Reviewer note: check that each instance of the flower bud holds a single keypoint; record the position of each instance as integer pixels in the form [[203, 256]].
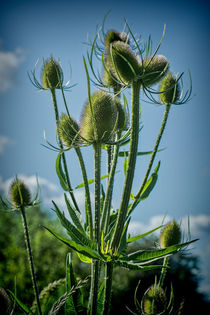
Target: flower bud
[[154, 301], [170, 90], [68, 130], [154, 69], [170, 235], [114, 36], [52, 74], [124, 62], [100, 127], [5, 303], [110, 79], [19, 193]]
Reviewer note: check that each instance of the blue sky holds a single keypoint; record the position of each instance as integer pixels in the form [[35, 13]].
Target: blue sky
[[31, 30]]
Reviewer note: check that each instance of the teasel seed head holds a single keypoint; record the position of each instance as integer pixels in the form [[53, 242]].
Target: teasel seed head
[[110, 79], [124, 63], [68, 130], [114, 36], [169, 90], [52, 74], [99, 127], [19, 194], [154, 69], [170, 235], [154, 301]]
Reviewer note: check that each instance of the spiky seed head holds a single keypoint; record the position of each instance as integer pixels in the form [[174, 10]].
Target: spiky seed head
[[170, 235], [154, 69], [110, 78], [113, 36], [68, 130], [104, 118], [169, 90], [154, 301], [19, 194], [121, 116], [5, 303], [124, 62], [52, 74]]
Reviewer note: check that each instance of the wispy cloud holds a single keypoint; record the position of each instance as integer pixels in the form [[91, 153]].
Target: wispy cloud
[[4, 142], [9, 63]]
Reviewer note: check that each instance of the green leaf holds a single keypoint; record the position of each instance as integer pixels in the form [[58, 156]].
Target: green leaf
[[126, 153], [84, 258], [100, 299], [24, 308], [75, 234], [85, 250], [125, 165], [136, 266], [60, 173], [70, 282], [75, 216], [137, 237], [91, 181], [146, 256], [150, 184]]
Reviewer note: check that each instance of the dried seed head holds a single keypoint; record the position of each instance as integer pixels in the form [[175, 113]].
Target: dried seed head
[[154, 301], [52, 74], [68, 130], [124, 62], [5, 303], [170, 90], [19, 194], [113, 36], [170, 235], [104, 118], [154, 69]]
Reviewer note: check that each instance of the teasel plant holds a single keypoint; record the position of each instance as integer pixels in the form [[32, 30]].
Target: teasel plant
[[108, 124]]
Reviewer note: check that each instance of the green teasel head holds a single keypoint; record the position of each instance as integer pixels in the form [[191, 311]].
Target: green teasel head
[[19, 194], [154, 69], [52, 74], [110, 79], [170, 235], [124, 62], [68, 130], [169, 90], [98, 118], [115, 36], [154, 301]]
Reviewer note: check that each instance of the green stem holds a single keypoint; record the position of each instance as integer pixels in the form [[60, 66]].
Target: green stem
[[108, 287], [30, 256], [95, 264], [108, 196], [131, 166], [63, 155], [87, 192], [163, 271], [162, 128]]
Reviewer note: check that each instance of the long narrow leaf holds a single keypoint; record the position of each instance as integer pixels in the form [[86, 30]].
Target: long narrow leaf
[[24, 308], [150, 184], [91, 181], [75, 234], [84, 250], [135, 266], [137, 237], [75, 215], [60, 173], [123, 153], [145, 256]]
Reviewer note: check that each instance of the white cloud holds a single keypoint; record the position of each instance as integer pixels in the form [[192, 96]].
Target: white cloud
[[4, 142], [9, 62]]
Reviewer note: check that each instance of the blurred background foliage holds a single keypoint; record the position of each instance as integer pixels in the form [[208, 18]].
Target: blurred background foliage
[[49, 257]]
